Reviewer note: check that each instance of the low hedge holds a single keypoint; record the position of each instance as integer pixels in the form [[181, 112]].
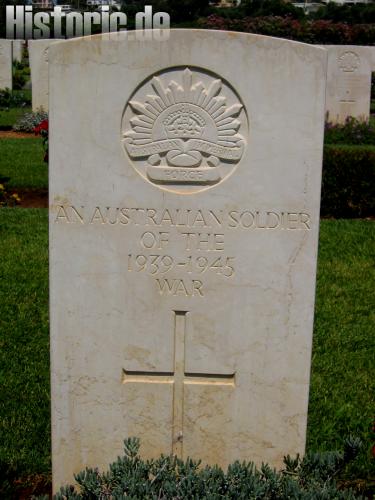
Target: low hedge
[[353, 131], [311, 478], [348, 183]]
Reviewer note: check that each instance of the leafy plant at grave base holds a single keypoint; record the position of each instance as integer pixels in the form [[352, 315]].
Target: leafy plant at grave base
[[168, 477], [351, 132], [42, 130], [7, 199], [9, 99], [29, 121]]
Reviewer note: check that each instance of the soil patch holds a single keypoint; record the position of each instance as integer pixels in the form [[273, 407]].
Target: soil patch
[[29, 487], [11, 134], [33, 198]]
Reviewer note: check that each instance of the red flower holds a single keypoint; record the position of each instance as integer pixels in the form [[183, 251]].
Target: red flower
[[43, 125], [41, 128]]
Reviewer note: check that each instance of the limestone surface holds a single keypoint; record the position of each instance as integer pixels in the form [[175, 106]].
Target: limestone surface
[[349, 82], [5, 64], [17, 50], [38, 59], [184, 214]]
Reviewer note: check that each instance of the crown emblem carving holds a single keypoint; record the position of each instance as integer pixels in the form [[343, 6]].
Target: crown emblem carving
[[184, 122], [349, 62]]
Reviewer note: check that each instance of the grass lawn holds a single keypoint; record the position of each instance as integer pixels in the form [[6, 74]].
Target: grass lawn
[[24, 353], [343, 366], [22, 161], [343, 374], [8, 117]]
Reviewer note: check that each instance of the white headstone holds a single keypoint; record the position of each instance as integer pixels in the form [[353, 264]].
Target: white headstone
[[38, 60], [184, 217], [18, 46], [349, 82], [5, 64]]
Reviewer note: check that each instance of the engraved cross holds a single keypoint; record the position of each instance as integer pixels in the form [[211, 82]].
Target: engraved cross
[[178, 378]]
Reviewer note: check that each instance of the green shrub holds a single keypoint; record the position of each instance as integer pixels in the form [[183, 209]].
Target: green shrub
[[29, 121], [9, 99], [348, 183], [171, 478], [351, 132], [21, 74], [19, 80]]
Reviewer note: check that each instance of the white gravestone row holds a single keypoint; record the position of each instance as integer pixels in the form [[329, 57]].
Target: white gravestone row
[[38, 60], [349, 82], [184, 218], [5, 64], [348, 79]]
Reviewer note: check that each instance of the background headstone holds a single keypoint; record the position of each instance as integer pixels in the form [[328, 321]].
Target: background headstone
[[184, 217], [17, 50], [38, 60], [5, 64], [349, 82]]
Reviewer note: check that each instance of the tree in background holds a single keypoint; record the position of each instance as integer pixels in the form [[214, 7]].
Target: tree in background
[[179, 10], [262, 8], [351, 14], [258, 8]]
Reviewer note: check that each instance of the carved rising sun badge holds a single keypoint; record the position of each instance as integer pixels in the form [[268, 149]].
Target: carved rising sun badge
[[184, 130]]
